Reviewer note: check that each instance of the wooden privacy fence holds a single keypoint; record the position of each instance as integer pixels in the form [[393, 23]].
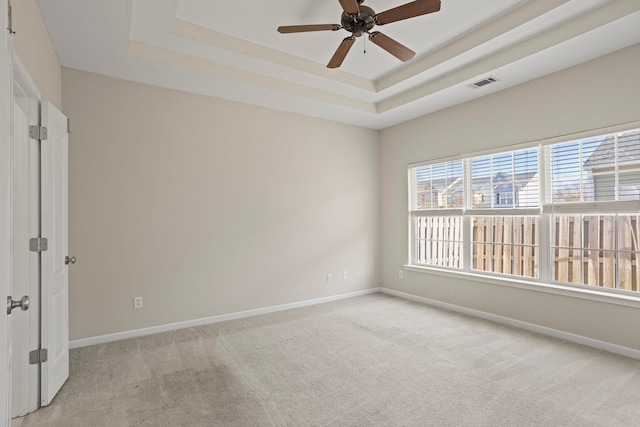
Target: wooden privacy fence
[[584, 250], [513, 251], [439, 241], [505, 245]]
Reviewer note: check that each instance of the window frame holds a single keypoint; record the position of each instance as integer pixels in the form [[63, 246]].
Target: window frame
[[544, 213]]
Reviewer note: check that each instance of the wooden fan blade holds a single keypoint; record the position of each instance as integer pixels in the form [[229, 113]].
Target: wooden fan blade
[[350, 7], [409, 10], [304, 28], [396, 49], [341, 53]]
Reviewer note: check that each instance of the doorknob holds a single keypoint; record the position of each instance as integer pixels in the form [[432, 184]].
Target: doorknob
[[23, 304], [69, 260]]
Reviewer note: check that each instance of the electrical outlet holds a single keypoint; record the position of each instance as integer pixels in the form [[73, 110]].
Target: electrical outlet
[[345, 275], [400, 274], [329, 278], [137, 302]]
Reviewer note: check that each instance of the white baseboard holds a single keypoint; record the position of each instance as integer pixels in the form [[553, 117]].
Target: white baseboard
[[101, 339], [543, 330], [578, 339]]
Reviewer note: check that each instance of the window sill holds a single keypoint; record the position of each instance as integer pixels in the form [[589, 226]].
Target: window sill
[[557, 289]]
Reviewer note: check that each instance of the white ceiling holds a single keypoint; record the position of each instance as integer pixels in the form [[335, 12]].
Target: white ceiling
[[231, 50]]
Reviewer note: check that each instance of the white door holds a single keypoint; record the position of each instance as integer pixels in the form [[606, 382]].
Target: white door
[[55, 273], [25, 327], [5, 223]]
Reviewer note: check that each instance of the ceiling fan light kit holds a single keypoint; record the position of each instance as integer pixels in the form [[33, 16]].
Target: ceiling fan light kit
[[359, 20]]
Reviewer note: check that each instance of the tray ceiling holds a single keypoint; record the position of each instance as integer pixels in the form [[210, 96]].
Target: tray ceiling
[[232, 50]]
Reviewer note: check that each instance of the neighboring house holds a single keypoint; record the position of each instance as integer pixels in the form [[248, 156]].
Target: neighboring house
[[529, 193], [440, 193], [504, 191], [501, 190], [603, 169]]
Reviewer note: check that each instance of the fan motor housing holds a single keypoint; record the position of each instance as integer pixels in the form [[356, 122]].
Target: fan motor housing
[[360, 24]]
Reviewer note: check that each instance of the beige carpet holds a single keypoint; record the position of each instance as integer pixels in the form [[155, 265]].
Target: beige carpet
[[368, 361]]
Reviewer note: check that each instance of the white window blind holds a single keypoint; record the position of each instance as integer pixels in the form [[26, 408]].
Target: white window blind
[[505, 180], [600, 169], [438, 186]]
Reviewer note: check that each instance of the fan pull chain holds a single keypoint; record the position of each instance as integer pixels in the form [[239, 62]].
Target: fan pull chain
[[364, 39]]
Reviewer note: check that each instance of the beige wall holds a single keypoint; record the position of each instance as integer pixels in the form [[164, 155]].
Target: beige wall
[[600, 93], [204, 206], [32, 44]]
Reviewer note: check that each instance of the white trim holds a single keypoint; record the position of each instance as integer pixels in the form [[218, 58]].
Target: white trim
[[449, 159], [545, 140], [578, 339], [479, 153], [600, 207], [545, 254], [575, 291], [23, 79], [438, 212], [502, 211], [593, 133], [102, 339]]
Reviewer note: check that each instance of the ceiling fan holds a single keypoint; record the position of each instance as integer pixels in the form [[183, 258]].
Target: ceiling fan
[[359, 19]]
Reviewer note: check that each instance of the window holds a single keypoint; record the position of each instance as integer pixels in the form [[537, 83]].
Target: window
[[488, 214], [605, 168], [438, 186], [505, 180], [506, 245], [439, 241], [594, 193], [597, 250], [497, 185]]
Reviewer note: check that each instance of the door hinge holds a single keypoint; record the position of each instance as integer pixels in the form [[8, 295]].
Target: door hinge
[[10, 19], [38, 244], [38, 356], [68, 125], [38, 132]]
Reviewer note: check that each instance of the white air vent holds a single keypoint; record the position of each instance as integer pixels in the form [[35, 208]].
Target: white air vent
[[483, 82]]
